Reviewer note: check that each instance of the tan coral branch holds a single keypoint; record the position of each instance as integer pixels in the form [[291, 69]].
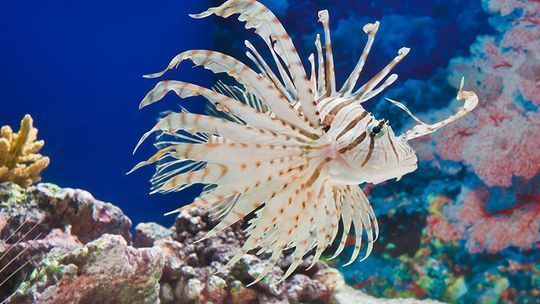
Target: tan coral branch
[[20, 161]]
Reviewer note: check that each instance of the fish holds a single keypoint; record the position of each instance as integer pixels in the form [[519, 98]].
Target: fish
[[288, 149]]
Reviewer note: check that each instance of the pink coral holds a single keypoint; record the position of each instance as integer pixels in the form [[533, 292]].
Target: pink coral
[[497, 153], [498, 140], [491, 232], [438, 225], [505, 7]]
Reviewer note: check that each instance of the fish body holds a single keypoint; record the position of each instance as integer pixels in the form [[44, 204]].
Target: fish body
[[288, 148]]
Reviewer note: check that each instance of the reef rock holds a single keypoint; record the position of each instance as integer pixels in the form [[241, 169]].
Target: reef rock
[[106, 270], [55, 249], [68, 247]]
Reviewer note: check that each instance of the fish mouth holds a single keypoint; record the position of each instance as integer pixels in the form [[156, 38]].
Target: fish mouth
[[470, 101]]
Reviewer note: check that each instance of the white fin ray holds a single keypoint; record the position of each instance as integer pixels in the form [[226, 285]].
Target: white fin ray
[[313, 74], [234, 176], [266, 69], [208, 200], [324, 18], [360, 221], [239, 94], [364, 203], [268, 215], [346, 219], [246, 113], [371, 30], [303, 234], [237, 133], [248, 202], [253, 82], [327, 223], [366, 222], [220, 153], [373, 82], [388, 82], [266, 25], [321, 79]]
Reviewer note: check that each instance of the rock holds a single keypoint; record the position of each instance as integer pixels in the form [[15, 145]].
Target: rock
[[45, 218], [303, 289], [88, 217], [240, 294], [166, 294], [76, 249], [216, 289], [148, 233], [193, 289], [106, 270], [52, 207]]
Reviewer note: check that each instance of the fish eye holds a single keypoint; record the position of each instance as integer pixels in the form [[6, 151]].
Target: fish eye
[[378, 130]]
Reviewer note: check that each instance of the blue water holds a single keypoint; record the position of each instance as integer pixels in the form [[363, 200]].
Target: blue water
[[76, 67]]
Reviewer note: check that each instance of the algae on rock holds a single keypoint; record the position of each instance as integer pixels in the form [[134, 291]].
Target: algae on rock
[[20, 161]]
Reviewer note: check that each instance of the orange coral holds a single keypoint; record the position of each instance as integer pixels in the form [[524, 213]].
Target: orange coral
[[20, 161]]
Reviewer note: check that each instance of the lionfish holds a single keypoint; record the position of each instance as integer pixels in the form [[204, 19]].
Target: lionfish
[[288, 149]]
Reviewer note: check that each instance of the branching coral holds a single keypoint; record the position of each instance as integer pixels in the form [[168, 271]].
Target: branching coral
[[498, 141], [20, 161], [518, 226], [483, 231]]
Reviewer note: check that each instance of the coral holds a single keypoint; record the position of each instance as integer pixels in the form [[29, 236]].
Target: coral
[[438, 226], [466, 254], [20, 161], [492, 232], [498, 140]]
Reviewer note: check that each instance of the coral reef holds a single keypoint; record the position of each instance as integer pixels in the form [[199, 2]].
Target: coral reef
[[80, 251], [442, 268], [20, 161]]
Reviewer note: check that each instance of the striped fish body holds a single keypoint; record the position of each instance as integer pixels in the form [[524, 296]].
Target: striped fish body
[[287, 148]]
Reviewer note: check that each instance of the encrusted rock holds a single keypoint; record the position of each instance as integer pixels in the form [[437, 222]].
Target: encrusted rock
[[197, 269], [52, 207], [106, 270], [46, 218], [166, 294], [88, 217], [148, 233]]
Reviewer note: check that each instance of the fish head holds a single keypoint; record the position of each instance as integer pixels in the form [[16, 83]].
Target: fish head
[[376, 155], [391, 156]]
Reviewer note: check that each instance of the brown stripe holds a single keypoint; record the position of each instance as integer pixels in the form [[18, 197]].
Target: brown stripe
[[327, 102], [352, 124], [315, 175], [370, 151], [332, 114], [355, 143]]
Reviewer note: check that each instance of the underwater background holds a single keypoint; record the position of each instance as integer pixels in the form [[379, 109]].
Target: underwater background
[[464, 227]]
